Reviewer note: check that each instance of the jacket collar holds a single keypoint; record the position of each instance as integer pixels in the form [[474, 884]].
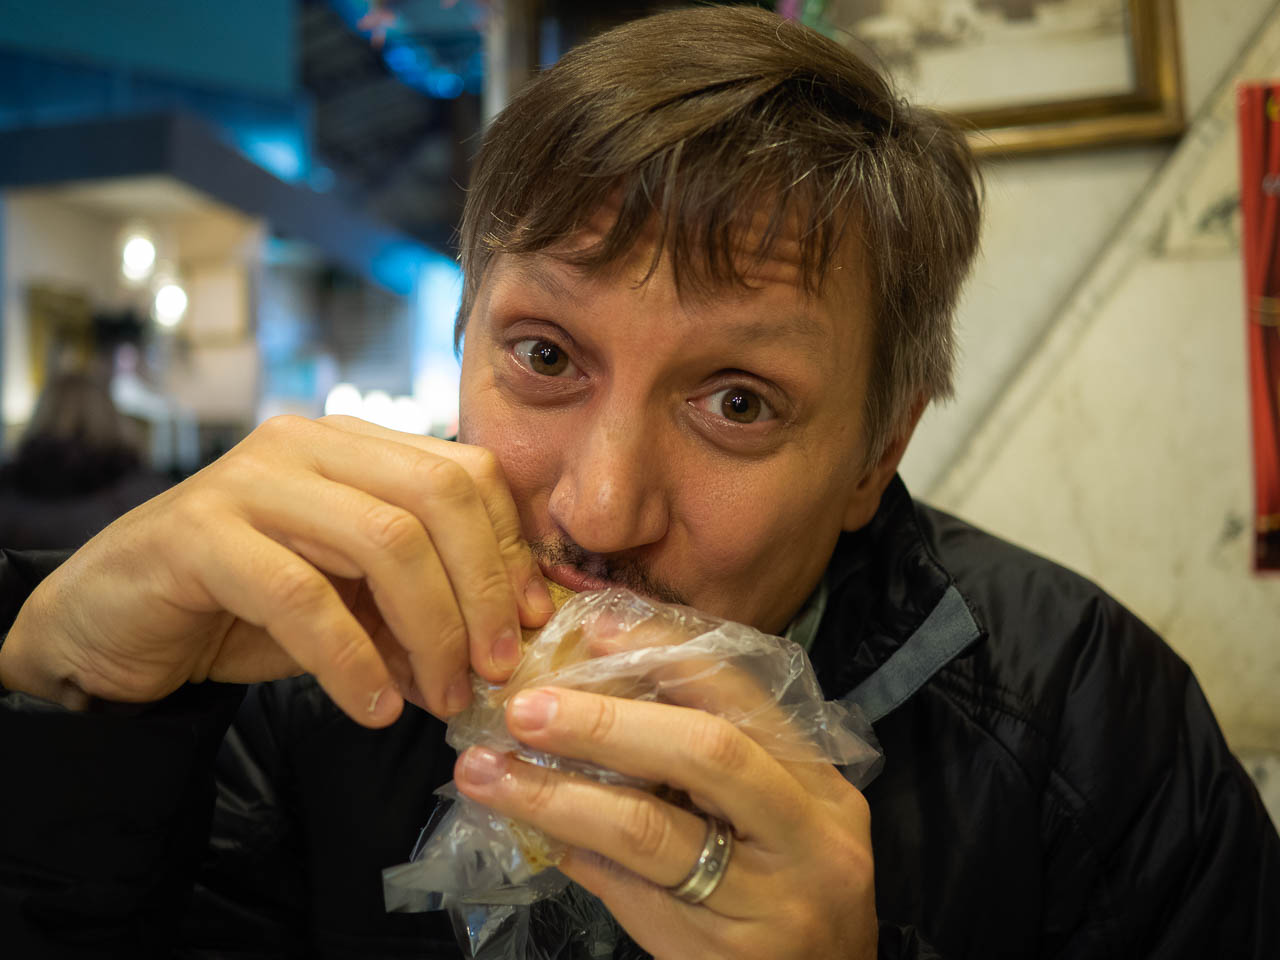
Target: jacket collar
[[883, 583]]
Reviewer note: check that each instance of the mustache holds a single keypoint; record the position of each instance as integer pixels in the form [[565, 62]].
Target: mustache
[[618, 569]]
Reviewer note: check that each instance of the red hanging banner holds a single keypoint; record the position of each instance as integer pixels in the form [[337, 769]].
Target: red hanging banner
[[1259, 119]]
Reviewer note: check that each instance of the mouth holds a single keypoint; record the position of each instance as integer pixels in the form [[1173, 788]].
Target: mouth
[[574, 579]]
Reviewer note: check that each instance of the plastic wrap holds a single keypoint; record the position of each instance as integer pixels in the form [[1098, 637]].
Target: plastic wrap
[[497, 876]]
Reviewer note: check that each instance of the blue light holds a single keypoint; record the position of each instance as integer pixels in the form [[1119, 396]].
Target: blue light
[[439, 297], [398, 265], [278, 151], [400, 58], [444, 84]]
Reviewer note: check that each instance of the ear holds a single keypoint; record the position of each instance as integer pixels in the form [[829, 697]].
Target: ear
[[864, 499]]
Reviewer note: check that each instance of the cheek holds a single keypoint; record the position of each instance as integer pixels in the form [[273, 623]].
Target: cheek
[[747, 527], [527, 455], [760, 539]]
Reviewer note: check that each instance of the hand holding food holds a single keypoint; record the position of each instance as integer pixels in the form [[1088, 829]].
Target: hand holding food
[[386, 564], [591, 757]]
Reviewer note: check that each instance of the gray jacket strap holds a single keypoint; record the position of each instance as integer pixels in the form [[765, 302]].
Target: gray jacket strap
[[945, 633]]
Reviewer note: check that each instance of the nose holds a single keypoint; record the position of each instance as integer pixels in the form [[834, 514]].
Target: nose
[[610, 495]]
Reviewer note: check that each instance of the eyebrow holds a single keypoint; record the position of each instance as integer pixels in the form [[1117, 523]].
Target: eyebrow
[[788, 326], [533, 270], [800, 328]]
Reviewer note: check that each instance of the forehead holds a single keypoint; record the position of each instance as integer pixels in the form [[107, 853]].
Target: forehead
[[763, 269], [773, 309]]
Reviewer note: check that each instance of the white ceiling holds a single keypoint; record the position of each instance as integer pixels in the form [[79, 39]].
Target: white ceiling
[[156, 195]]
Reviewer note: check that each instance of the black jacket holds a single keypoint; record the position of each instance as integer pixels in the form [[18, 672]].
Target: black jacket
[[1059, 789]]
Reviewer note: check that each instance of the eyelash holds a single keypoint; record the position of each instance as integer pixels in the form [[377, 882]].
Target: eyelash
[[522, 351]]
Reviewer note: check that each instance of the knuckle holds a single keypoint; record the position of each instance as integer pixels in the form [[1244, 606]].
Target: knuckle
[[748, 940], [339, 420], [643, 828], [601, 720], [515, 551], [347, 655], [194, 508], [808, 917], [719, 744], [540, 792], [491, 586], [393, 530], [443, 478], [452, 636], [200, 512], [281, 426], [858, 861], [293, 587], [859, 807], [485, 466], [853, 856]]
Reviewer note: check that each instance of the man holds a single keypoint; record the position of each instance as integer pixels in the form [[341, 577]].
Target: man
[[710, 264]]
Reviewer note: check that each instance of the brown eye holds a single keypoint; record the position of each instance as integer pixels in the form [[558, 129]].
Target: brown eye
[[547, 359], [741, 406]]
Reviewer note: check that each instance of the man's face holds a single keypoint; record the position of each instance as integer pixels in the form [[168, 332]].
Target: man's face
[[704, 451]]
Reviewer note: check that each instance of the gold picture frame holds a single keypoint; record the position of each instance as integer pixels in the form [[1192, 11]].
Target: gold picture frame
[[1150, 110]]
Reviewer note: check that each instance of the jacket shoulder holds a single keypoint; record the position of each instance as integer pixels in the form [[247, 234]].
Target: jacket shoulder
[[1090, 701], [1159, 840], [1048, 631]]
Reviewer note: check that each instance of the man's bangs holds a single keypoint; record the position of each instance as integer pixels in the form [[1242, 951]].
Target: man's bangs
[[717, 227]]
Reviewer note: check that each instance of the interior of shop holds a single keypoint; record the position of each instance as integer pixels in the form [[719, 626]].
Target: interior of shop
[[213, 214]]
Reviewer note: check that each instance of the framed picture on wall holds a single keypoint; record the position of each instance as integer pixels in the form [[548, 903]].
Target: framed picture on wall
[[1024, 75]]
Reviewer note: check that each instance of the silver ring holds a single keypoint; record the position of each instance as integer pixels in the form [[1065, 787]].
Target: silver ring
[[710, 866]]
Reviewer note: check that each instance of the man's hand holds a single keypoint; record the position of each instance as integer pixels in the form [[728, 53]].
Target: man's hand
[[799, 882], [384, 563]]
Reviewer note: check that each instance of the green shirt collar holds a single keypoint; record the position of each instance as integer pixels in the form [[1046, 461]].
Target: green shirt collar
[[804, 626]]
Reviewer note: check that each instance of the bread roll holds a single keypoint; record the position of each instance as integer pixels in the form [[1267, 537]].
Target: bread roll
[[559, 596]]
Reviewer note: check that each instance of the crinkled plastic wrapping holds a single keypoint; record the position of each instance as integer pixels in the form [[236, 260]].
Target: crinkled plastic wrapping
[[497, 877]]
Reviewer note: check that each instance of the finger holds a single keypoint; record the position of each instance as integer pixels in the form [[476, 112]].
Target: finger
[[691, 750], [359, 600], [267, 585], [246, 654], [399, 666], [530, 589], [654, 919], [441, 495], [350, 532], [361, 603], [759, 689], [761, 710], [536, 602], [635, 829]]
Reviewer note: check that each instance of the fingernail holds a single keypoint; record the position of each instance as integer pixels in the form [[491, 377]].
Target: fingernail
[[458, 695], [506, 650], [480, 765], [538, 597], [384, 704], [533, 709]]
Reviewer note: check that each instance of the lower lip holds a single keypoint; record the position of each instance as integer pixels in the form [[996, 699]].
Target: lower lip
[[575, 579]]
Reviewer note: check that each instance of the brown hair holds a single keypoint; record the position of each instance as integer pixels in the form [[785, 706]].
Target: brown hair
[[699, 121], [77, 442]]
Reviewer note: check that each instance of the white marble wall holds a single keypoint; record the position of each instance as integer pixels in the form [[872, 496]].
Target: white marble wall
[[1121, 445], [1047, 219]]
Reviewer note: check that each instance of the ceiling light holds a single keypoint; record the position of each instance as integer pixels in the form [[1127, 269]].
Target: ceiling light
[[137, 257], [170, 304]]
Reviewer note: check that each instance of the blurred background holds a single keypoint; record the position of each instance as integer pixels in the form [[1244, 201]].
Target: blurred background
[[211, 213]]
